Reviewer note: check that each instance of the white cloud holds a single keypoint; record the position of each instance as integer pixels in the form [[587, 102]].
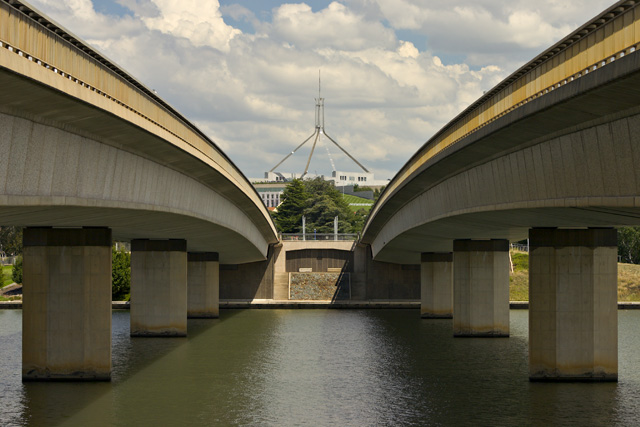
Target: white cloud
[[81, 19], [254, 93], [335, 27], [198, 21], [484, 29]]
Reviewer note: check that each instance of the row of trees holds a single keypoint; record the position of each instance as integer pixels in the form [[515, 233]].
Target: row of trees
[[320, 202], [629, 244]]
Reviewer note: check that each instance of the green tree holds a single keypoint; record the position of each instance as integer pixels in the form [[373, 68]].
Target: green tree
[[324, 204], [120, 274], [11, 240], [360, 218], [16, 272], [294, 198], [320, 202], [629, 244], [321, 213]]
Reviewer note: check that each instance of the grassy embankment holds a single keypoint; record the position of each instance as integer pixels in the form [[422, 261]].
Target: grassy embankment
[[6, 280], [354, 201], [628, 279]]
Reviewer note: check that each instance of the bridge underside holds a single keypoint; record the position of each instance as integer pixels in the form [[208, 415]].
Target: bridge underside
[[513, 225], [127, 224]]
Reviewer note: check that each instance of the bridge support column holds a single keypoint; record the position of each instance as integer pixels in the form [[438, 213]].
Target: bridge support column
[[481, 288], [203, 284], [66, 314], [573, 317], [436, 279], [159, 288]]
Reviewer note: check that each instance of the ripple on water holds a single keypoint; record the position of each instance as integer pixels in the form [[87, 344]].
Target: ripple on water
[[318, 367]]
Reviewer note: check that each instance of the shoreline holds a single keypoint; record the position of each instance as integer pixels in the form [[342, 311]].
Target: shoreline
[[293, 304]]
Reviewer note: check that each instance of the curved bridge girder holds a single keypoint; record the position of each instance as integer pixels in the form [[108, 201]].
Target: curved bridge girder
[[85, 144], [566, 159]]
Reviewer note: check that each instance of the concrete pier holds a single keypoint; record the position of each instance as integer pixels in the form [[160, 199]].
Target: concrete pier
[[573, 319], [203, 285], [159, 288], [481, 288], [66, 319], [436, 284]]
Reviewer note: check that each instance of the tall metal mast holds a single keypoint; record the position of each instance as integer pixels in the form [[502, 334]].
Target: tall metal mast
[[319, 130]]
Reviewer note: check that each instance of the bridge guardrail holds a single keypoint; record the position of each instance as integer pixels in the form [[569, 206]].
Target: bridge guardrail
[[319, 236], [520, 247], [610, 35]]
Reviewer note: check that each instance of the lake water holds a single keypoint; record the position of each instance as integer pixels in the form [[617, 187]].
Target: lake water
[[319, 367]]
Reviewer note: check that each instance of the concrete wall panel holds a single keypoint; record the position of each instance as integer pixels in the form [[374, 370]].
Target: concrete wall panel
[[573, 305], [592, 167], [608, 159], [319, 260], [436, 276], [158, 292], [253, 280], [67, 305], [53, 168]]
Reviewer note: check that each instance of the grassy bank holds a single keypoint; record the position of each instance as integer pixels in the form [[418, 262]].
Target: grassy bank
[[6, 275], [628, 279], [6, 279]]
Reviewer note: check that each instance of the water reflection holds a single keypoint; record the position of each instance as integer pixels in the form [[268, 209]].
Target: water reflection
[[318, 367], [12, 398]]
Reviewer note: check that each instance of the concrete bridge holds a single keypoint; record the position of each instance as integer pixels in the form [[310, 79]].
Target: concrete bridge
[[550, 154], [93, 155], [89, 155]]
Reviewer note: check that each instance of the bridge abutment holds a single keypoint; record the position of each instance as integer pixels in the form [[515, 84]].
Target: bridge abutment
[[159, 288], [66, 314], [573, 319], [203, 285], [481, 288], [436, 284]]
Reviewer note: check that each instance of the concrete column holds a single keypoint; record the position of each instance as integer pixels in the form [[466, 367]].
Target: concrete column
[[203, 285], [481, 288], [573, 317], [159, 288], [66, 313], [436, 280]]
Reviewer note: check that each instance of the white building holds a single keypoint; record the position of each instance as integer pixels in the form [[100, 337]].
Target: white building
[[271, 194], [285, 176], [363, 179]]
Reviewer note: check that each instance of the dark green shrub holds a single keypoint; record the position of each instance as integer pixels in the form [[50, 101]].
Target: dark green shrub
[[120, 274], [16, 273]]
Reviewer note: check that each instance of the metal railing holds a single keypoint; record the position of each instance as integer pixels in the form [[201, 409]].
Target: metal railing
[[319, 236], [520, 247]]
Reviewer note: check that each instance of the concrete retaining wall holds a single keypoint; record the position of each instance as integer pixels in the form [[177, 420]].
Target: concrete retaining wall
[[370, 280], [253, 280], [319, 260]]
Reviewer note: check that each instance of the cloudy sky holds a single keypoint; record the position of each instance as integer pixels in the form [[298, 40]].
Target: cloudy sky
[[393, 71]]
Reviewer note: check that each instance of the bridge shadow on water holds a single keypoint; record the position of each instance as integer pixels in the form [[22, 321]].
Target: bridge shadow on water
[[60, 403], [330, 367]]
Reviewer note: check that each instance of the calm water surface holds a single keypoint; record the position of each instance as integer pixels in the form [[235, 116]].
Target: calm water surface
[[319, 367]]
